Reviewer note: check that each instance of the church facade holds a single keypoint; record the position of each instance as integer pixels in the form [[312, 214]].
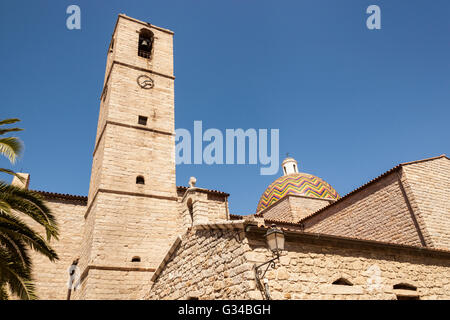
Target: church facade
[[139, 236]]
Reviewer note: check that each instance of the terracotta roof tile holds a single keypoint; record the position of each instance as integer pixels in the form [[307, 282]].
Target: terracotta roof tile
[[65, 196], [56, 195], [369, 183], [183, 188]]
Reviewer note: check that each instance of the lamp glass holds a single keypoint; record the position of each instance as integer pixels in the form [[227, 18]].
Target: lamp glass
[[275, 240], [280, 241]]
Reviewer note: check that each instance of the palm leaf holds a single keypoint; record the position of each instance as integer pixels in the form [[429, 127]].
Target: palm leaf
[[7, 171], [16, 247], [18, 278], [3, 131], [9, 121], [13, 227], [31, 204], [10, 147], [3, 292]]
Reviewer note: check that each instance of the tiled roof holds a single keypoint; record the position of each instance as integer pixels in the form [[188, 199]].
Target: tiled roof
[[280, 221], [183, 188], [369, 183], [65, 196], [324, 236]]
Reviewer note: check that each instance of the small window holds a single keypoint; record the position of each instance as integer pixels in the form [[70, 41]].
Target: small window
[[105, 92], [192, 298], [342, 282], [405, 286], [111, 47], [140, 180], [136, 259], [145, 44], [142, 120]]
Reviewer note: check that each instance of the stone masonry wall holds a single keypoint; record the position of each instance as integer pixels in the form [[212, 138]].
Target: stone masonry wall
[[213, 264], [206, 207], [377, 212], [209, 264], [307, 271], [127, 36], [51, 277], [126, 220]]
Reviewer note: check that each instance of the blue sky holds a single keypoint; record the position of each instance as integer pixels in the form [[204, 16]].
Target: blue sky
[[350, 103]]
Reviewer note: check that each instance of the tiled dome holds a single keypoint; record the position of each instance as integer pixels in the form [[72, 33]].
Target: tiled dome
[[299, 184]]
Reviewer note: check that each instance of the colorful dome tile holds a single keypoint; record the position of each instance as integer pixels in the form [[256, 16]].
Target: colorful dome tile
[[297, 184]]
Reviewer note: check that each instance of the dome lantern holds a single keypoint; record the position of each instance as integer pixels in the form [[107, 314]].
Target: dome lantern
[[289, 166]]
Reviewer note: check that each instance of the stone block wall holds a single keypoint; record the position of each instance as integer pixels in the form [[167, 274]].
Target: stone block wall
[[125, 227], [213, 264], [106, 284], [307, 271], [208, 264], [51, 278], [126, 219], [206, 207], [126, 44]]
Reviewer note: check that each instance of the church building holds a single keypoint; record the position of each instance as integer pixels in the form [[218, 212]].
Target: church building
[[137, 235]]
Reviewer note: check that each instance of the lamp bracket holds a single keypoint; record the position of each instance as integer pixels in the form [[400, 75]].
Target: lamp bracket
[[259, 274]]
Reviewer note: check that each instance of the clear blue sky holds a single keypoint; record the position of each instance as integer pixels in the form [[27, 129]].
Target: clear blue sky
[[350, 103]]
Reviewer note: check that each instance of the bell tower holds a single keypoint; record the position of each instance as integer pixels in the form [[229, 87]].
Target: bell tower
[[131, 216]]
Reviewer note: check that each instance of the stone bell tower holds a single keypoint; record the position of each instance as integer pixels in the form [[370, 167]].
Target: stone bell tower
[[131, 216]]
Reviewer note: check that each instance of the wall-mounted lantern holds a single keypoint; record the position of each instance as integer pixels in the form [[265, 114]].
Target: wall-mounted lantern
[[275, 242]]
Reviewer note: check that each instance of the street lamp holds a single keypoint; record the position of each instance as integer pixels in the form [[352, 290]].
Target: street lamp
[[275, 242]]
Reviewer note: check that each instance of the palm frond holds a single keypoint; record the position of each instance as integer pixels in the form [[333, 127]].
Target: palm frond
[[8, 121], [17, 248], [11, 148], [3, 131], [31, 204], [18, 278], [3, 292], [7, 171], [13, 227], [4, 206]]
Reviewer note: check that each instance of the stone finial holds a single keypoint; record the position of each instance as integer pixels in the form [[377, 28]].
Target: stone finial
[[21, 180], [192, 182], [249, 218]]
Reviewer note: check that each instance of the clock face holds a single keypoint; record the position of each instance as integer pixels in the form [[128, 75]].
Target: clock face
[[145, 82]]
